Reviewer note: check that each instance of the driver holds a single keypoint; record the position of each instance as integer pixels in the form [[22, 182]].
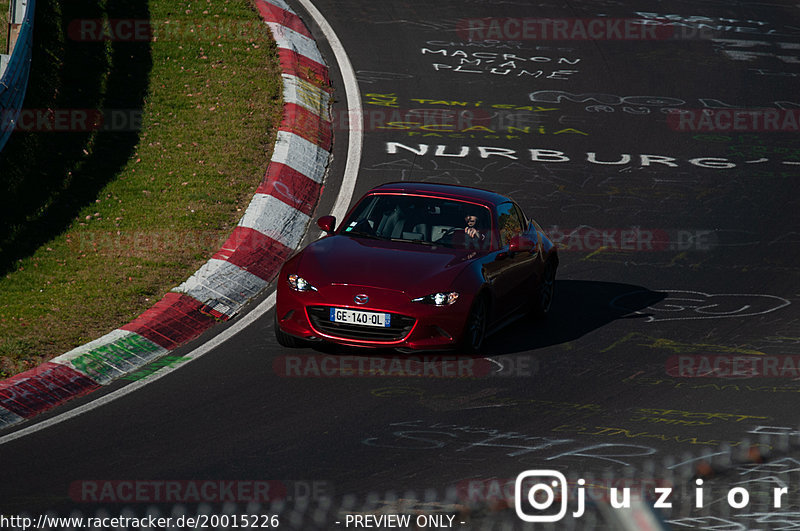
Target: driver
[[473, 236]]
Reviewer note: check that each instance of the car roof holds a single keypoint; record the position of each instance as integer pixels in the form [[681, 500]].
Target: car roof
[[449, 191]]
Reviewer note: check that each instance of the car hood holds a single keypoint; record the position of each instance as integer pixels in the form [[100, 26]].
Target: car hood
[[412, 268]]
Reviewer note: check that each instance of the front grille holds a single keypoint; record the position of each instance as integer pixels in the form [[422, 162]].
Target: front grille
[[400, 327]]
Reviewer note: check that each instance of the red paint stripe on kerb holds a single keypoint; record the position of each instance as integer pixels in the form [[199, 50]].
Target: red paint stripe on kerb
[[302, 122], [172, 321], [291, 187], [41, 388], [295, 64], [254, 252], [273, 13]]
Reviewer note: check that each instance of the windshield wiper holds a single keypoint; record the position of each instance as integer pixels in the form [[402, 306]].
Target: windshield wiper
[[361, 234], [423, 242]]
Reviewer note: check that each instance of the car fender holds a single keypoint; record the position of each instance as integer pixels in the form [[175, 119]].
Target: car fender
[[548, 247], [472, 282]]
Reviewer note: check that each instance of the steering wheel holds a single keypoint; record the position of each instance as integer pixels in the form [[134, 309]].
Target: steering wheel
[[473, 242], [448, 233]]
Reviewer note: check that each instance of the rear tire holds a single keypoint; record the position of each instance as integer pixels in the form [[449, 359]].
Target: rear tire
[[546, 292], [474, 336], [284, 339]]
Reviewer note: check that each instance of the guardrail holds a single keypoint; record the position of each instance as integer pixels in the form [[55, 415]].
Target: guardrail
[[15, 66]]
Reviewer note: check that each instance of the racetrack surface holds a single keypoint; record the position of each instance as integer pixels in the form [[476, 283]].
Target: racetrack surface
[[680, 247]]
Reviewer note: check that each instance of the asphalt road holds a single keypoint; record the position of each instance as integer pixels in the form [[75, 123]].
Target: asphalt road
[[680, 248]]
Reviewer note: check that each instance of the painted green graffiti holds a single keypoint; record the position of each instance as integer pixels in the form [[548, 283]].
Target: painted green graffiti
[[99, 361]]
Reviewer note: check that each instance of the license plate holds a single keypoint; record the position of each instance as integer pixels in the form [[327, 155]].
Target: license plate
[[358, 317]]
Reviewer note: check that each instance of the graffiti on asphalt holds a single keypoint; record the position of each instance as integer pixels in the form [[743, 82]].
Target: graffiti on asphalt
[[502, 64], [682, 305], [641, 105]]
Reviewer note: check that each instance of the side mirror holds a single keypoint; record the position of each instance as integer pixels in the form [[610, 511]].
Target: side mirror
[[519, 243], [327, 223]]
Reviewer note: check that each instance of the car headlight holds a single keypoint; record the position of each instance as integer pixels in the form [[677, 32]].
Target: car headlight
[[438, 299], [298, 283]]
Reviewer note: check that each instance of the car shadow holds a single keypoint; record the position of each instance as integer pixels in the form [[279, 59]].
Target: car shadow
[[579, 307]]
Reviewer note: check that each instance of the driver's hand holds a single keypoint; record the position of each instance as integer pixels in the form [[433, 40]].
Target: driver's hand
[[472, 232]]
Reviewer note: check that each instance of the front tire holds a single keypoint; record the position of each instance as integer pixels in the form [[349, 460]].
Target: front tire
[[474, 338], [284, 339]]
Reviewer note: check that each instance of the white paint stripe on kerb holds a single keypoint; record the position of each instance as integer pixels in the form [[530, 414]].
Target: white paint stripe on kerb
[[8, 418], [343, 199], [218, 281], [111, 363], [297, 42], [64, 359], [354, 111], [307, 95], [301, 155], [270, 216], [111, 337]]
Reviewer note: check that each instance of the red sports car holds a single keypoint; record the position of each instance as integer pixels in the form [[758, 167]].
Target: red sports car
[[417, 266]]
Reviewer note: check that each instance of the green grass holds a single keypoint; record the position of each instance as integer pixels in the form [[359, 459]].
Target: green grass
[[105, 223], [4, 6]]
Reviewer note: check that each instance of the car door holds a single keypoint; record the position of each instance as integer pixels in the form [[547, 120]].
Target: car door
[[533, 251], [511, 272]]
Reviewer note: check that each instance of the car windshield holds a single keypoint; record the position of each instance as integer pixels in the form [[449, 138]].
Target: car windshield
[[422, 220]]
